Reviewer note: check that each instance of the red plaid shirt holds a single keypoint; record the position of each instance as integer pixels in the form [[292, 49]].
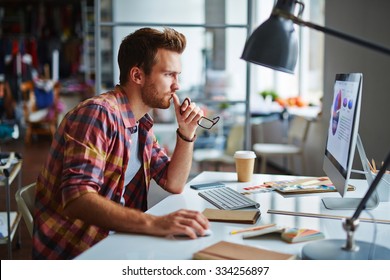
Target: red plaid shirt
[[90, 153]]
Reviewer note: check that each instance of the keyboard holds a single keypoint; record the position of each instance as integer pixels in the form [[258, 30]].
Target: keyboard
[[226, 198]]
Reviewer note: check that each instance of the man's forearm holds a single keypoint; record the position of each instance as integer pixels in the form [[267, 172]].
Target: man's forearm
[[97, 210], [180, 166]]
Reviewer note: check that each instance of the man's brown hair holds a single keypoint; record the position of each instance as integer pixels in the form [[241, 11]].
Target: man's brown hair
[[140, 48]]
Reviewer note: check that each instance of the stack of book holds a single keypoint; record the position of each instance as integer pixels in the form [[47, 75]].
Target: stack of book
[[224, 250], [295, 186], [290, 235], [232, 216]]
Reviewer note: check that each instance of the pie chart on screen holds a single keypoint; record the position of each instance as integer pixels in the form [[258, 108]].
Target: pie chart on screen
[[336, 112]]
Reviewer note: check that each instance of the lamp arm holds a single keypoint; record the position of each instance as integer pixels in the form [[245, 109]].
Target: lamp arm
[[326, 30]]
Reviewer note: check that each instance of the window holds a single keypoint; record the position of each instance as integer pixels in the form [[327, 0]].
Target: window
[[307, 81], [213, 73]]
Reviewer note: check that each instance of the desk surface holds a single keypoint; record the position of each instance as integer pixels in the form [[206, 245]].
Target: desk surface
[[142, 247]]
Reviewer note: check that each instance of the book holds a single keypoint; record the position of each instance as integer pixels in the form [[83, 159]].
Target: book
[[232, 216], [305, 186], [256, 228], [224, 250], [304, 189], [290, 235], [294, 235], [303, 182], [267, 230], [262, 188], [295, 186]]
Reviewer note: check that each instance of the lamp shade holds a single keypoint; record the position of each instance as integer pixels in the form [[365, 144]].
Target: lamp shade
[[274, 43]]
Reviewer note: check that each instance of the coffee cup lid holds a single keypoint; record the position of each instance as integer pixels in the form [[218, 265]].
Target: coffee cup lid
[[244, 154]]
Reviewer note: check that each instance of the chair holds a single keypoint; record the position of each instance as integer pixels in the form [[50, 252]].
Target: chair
[[297, 135], [218, 157], [25, 198], [43, 120]]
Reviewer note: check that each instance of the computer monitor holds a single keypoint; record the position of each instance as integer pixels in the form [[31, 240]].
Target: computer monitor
[[342, 140]]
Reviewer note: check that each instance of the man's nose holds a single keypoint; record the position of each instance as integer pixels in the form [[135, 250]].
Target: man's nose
[[175, 85]]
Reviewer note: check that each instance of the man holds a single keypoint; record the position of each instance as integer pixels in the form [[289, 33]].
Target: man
[[105, 154]]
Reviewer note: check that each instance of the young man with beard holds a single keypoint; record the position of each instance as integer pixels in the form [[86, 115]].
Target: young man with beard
[[105, 154]]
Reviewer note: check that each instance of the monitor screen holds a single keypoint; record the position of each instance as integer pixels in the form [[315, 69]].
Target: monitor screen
[[343, 129]]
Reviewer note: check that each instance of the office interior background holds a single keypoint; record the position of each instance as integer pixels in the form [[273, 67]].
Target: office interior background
[[213, 73]]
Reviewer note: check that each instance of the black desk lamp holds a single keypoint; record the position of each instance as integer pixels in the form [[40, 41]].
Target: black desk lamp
[[274, 44]]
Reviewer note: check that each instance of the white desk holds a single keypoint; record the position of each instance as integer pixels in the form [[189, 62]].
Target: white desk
[[143, 247]]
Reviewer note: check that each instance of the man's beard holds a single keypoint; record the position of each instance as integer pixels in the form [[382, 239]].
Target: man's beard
[[153, 99]]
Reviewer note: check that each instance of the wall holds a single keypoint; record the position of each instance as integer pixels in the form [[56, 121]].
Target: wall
[[140, 11], [194, 59], [368, 20], [365, 19]]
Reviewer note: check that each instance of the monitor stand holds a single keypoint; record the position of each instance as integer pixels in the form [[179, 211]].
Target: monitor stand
[[351, 203], [348, 203]]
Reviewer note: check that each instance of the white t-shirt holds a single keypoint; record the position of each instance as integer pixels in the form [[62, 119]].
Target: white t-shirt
[[134, 163]]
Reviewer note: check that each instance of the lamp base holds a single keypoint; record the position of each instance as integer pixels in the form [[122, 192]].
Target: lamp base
[[332, 249]]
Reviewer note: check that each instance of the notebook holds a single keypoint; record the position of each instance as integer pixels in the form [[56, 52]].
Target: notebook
[[302, 189], [295, 186], [305, 186], [232, 216], [294, 235], [264, 231], [225, 250], [290, 235]]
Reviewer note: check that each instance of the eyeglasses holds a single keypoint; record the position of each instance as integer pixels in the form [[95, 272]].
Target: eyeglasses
[[204, 122]]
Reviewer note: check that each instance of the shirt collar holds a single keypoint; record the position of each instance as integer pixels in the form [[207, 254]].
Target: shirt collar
[[127, 114]]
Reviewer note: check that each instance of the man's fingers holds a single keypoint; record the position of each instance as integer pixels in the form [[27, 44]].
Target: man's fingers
[[187, 222], [194, 220], [176, 100], [197, 216], [192, 113]]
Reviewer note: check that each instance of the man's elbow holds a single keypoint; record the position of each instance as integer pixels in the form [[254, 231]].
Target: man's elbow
[[73, 208], [174, 188], [177, 191], [69, 211]]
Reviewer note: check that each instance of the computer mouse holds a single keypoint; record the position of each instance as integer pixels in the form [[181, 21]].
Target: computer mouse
[[207, 232]]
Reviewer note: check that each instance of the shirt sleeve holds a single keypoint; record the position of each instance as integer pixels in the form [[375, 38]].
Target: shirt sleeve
[[87, 142], [159, 164]]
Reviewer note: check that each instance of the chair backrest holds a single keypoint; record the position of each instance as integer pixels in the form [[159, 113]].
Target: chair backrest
[[235, 139], [298, 131], [25, 199], [36, 98]]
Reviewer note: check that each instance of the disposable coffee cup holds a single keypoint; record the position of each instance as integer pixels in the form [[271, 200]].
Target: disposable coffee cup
[[245, 162]]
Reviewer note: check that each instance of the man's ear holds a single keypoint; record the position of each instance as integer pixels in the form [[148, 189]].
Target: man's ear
[[137, 75]]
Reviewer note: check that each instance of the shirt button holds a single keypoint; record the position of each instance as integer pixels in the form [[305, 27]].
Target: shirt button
[[118, 193]]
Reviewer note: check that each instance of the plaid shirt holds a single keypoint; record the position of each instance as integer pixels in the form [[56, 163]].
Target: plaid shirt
[[90, 153]]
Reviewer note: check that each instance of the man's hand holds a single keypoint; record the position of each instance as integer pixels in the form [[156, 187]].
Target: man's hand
[[187, 222], [187, 116], [96, 210]]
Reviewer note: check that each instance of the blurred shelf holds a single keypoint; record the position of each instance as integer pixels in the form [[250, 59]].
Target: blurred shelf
[[10, 169]]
